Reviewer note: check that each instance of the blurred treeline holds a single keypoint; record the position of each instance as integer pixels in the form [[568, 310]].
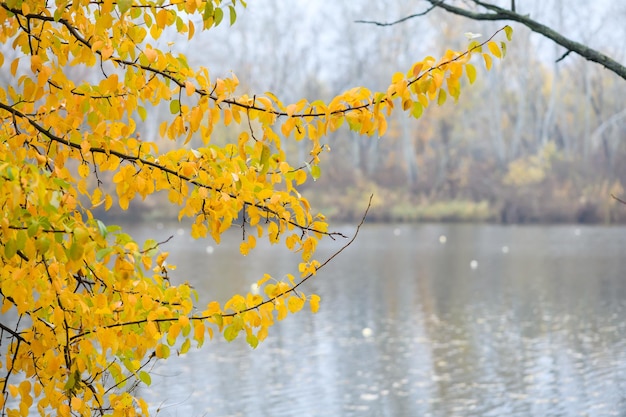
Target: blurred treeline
[[533, 140]]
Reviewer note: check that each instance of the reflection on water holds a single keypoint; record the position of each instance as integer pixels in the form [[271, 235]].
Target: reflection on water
[[534, 328]]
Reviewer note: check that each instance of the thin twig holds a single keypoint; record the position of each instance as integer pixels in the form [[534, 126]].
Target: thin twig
[[618, 199], [397, 21]]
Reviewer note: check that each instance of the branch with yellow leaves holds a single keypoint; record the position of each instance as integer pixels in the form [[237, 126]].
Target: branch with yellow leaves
[[256, 306], [151, 163]]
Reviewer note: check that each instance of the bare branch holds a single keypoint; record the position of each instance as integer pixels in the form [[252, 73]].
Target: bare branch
[[499, 13], [618, 199], [496, 13], [13, 333], [397, 21]]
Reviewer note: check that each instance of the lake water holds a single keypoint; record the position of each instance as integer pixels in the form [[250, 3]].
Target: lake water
[[533, 327]]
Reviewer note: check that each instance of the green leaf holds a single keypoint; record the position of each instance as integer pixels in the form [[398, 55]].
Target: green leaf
[[315, 172], [33, 229], [150, 247], [233, 15], [145, 377], [185, 347], [124, 5], [143, 114], [72, 381], [417, 110], [175, 106], [442, 97], [58, 13], [76, 251], [103, 253], [20, 240], [42, 244], [208, 10], [218, 15], [219, 320], [252, 340], [231, 332], [265, 159], [10, 249], [101, 228]]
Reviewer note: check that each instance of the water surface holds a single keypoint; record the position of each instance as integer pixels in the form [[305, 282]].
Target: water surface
[[465, 321]]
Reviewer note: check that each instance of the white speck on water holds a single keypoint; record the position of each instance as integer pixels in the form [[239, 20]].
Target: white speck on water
[[367, 332], [397, 231], [577, 232], [474, 264], [180, 231], [210, 249], [505, 249], [369, 397], [443, 239], [160, 226]]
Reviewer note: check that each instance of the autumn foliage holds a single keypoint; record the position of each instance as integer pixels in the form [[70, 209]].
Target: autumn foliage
[[84, 307]]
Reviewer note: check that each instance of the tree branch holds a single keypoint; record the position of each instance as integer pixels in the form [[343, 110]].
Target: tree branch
[[399, 20], [154, 165], [618, 199], [254, 307], [14, 334], [499, 13]]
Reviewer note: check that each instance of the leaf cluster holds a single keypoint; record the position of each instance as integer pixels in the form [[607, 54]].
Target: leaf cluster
[[94, 307]]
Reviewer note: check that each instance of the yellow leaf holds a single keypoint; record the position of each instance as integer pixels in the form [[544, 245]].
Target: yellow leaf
[[509, 32], [266, 277], [150, 54], [162, 351], [295, 304], [314, 301], [417, 68], [190, 89], [494, 49], [185, 347], [14, 65], [488, 61], [76, 403], [83, 170], [470, 70]]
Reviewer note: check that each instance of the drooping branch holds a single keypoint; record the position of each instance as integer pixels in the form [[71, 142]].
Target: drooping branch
[[496, 13], [245, 105], [269, 300]]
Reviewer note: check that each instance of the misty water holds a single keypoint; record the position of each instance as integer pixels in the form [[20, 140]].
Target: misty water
[[410, 326]]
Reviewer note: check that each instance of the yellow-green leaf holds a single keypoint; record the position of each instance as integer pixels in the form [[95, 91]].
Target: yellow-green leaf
[[442, 97], [145, 377], [174, 106], [509, 32], [470, 70]]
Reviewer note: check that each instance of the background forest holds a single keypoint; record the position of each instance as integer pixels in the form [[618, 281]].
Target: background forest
[[535, 140]]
